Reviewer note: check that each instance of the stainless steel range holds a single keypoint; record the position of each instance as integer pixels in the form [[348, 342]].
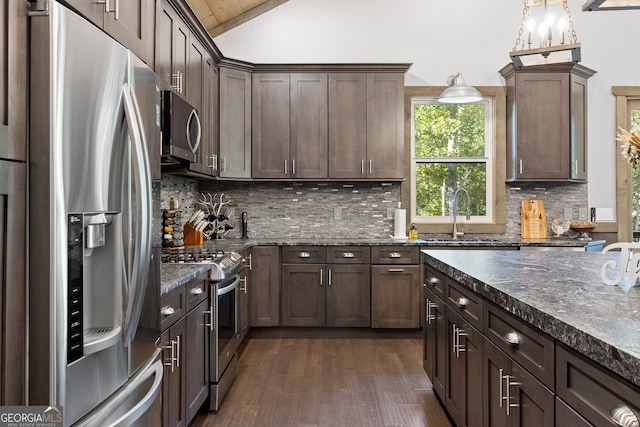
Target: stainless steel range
[[223, 300]]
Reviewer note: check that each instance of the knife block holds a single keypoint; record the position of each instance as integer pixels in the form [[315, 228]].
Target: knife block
[[191, 236]]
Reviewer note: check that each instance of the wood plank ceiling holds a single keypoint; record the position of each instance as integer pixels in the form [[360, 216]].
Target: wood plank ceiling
[[219, 16]]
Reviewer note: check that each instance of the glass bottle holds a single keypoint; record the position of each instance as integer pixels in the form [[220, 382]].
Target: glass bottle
[[413, 232]]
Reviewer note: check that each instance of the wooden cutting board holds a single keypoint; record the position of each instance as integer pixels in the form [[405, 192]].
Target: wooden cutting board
[[533, 221]]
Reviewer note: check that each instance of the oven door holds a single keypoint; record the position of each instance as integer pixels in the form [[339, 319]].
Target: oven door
[[226, 325]]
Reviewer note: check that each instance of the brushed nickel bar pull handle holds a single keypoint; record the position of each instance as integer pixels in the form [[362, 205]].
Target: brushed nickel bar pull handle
[[362, 167], [210, 313], [623, 416], [370, 167], [501, 373], [329, 280], [321, 274], [293, 166], [285, 167], [520, 166], [431, 305], [453, 338], [396, 270], [244, 280]]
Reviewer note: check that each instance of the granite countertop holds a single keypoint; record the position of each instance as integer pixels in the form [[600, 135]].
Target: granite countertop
[[175, 275], [560, 293]]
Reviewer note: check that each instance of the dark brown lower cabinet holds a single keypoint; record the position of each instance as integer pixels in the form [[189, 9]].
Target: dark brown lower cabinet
[[395, 296], [463, 386], [196, 358], [326, 295], [567, 417], [435, 342], [511, 395], [174, 376], [264, 279]]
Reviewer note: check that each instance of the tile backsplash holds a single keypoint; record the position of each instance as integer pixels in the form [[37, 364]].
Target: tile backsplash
[[342, 210]]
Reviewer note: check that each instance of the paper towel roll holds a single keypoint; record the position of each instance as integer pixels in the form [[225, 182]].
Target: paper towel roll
[[400, 224]]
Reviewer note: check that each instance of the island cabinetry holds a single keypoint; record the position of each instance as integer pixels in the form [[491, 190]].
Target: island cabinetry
[[395, 287], [547, 123], [244, 294], [185, 321], [235, 122], [528, 346], [130, 22], [366, 130], [567, 417], [326, 286], [602, 398], [289, 125], [435, 329], [264, 277], [511, 396]]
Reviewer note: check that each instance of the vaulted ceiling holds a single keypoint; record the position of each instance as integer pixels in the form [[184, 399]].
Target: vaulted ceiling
[[219, 16]]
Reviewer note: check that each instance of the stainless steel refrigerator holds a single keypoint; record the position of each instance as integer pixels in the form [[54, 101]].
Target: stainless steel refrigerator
[[93, 269]]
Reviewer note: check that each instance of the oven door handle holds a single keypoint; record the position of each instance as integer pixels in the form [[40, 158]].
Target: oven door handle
[[231, 287]]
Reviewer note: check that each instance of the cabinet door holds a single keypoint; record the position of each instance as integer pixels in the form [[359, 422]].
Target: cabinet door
[[385, 125], [542, 101], [395, 296], [495, 366], [92, 10], [196, 69], [567, 417], [131, 22], [209, 118], [166, 24], [265, 286], [13, 80], [464, 371], [309, 121], [303, 294], [348, 295], [244, 307], [533, 403], [174, 376], [12, 279], [578, 130], [235, 123], [436, 349], [270, 118], [197, 358], [347, 125]]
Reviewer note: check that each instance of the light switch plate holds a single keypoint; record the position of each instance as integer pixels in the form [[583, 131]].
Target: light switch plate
[[582, 214], [568, 214]]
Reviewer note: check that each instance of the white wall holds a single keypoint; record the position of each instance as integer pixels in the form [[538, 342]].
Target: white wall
[[443, 37]]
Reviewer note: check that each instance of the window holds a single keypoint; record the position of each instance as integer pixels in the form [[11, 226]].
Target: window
[[452, 148]]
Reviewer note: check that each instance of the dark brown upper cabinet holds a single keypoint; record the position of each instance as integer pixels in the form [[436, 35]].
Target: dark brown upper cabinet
[[547, 122]]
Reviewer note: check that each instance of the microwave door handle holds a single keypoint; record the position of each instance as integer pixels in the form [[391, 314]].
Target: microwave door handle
[[142, 182], [194, 115]]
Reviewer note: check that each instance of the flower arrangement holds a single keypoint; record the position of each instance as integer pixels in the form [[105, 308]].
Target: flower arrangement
[[630, 144]]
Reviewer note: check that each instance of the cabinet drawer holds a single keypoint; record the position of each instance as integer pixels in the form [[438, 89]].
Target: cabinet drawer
[[394, 255], [592, 390], [435, 281], [172, 307], [465, 302], [196, 291], [528, 346], [348, 255], [304, 254]]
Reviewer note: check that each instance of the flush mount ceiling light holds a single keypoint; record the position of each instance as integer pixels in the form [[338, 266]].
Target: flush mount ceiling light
[[596, 5], [546, 35], [458, 92]]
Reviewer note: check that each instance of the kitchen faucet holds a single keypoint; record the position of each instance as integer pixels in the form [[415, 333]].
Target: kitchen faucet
[[454, 211]]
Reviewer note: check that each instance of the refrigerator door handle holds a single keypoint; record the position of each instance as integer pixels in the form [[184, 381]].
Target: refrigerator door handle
[[142, 181]]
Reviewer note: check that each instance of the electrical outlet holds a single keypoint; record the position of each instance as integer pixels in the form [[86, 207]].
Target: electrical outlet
[[582, 214], [568, 213]]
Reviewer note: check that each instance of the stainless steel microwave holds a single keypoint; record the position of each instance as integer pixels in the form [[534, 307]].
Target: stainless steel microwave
[[181, 130]]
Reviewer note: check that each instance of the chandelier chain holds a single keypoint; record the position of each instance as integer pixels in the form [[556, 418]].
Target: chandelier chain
[[525, 14], [573, 38]]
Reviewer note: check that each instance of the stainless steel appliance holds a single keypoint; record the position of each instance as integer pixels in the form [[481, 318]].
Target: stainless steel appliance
[[93, 271], [223, 297], [181, 130]]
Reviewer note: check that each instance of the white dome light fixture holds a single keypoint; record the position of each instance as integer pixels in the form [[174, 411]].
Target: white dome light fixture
[[458, 92]]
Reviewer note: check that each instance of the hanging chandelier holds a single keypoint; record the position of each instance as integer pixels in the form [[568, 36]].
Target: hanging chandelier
[[546, 35]]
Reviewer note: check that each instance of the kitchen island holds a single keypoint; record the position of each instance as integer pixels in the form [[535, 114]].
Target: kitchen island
[[578, 331]]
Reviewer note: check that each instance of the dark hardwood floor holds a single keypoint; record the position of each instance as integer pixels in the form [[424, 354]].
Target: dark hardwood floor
[[329, 382]]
